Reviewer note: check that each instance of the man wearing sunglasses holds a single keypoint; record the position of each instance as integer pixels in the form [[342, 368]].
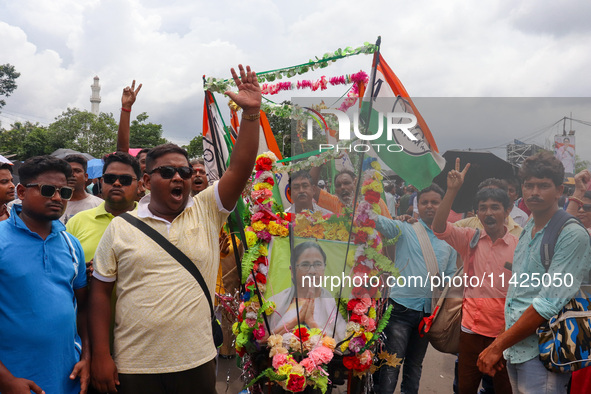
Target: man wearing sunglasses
[[121, 172], [163, 339], [44, 346]]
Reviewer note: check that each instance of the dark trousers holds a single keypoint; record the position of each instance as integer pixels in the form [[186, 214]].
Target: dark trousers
[[197, 380], [469, 376]]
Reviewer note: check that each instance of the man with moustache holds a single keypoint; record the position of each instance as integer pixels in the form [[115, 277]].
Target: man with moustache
[[43, 288], [529, 307], [7, 189], [413, 302], [119, 183], [483, 306], [163, 340], [302, 192], [344, 182]]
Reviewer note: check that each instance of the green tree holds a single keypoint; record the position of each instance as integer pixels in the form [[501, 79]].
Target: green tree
[[143, 134], [25, 140], [84, 132], [8, 76], [580, 164], [282, 128], [195, 147]]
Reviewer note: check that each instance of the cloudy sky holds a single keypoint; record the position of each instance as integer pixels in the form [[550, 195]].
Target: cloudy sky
[[503, 48]]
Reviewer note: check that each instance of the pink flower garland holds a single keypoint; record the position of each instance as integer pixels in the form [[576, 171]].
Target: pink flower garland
[[322, 83]]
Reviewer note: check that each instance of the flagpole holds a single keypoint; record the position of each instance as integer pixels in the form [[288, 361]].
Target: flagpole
[[376, 60]]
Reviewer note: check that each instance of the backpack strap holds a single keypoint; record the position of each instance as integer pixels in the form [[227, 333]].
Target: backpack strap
[[553, 229]]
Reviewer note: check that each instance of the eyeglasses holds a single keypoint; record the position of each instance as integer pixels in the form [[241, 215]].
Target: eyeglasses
[[124, 180], [167, 172], [49, 190], [585, 207], [306, 266]]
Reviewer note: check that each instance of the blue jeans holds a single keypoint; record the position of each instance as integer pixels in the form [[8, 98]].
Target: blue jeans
[[402, 338], [532, 377]]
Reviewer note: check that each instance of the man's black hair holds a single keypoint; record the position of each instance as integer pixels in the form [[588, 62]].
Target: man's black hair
[[162, 150], [125, 158], [542, 165], [74, 158], [300, 174], [6, 166], [490, 193], [145, 150], [348, 172], [433, 188], [35, 166], [494, 182]]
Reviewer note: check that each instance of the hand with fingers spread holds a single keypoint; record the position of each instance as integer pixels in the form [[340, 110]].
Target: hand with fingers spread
[[249, 91], [129, 95], [582, 179], [455, 178]]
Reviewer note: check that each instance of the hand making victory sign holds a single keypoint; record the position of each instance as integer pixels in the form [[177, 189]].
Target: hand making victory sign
[[455, 178]]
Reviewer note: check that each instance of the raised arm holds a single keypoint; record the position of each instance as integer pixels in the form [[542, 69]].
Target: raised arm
[[455, 180], [315, 175], [581, 181], [127, 100], [244, 153]]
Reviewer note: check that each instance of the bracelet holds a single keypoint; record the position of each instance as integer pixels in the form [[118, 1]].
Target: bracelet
[[125, 109], [575, 199], [256, 116]]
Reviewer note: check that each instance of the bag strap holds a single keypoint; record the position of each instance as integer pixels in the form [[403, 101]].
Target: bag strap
[[426, 249], [553, 229], [175, 252]]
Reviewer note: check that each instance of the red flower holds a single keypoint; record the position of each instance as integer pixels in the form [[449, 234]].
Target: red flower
[[360, 237], [302, 333], [369, 223], [295, 383], [372, 197], [288, 216], [270, 181], [263, 164], [261, 278], [361, 269], [351, 362], [355, 318], [351, 304]]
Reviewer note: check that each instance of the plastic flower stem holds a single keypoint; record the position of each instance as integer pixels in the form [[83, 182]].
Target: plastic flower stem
[[258, 293], [291, 248]]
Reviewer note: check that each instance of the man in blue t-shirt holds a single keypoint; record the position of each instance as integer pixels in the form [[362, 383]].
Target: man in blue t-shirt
[[43, 282]]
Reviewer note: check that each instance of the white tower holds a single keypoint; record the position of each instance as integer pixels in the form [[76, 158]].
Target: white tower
[[95, 99]]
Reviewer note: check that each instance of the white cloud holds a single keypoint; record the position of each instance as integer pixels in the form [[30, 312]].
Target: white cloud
[[438, 49]]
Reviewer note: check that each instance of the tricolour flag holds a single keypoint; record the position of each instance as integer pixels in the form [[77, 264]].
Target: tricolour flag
[[216, 149], [419, 161]]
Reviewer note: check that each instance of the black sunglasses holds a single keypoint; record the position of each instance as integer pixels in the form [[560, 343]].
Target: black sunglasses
[[49, 190], [586, 207], [124, 180], [167, 172]]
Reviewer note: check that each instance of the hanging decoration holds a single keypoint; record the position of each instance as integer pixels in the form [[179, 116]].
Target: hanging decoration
[[321, 83], [222, 85]]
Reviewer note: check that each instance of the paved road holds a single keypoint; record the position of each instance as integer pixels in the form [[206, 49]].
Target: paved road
[[437, 377]]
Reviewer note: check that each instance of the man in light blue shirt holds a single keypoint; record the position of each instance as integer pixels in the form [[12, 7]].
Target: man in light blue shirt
[[43, 288], [527, 305], [412, 302]]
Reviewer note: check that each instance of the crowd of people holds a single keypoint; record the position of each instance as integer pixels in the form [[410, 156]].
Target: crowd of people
[[91, 304]]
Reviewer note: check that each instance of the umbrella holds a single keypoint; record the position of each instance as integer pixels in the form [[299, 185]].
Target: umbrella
[[62, 153], [483, 165], [5, 160], [95, 168]]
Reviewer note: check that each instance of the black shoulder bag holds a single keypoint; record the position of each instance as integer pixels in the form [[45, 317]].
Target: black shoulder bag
[[178, 255]]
